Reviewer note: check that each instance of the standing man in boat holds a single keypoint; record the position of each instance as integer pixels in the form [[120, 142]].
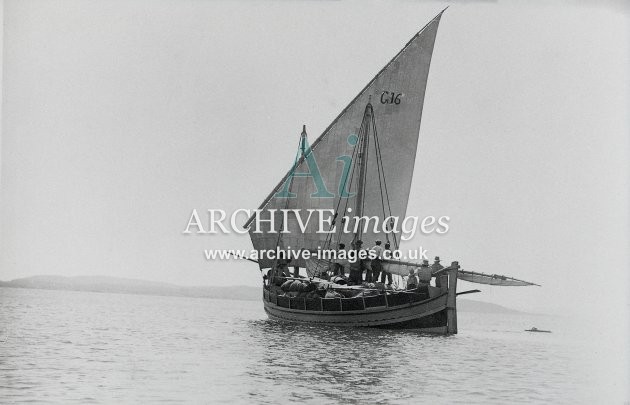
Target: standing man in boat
[[387, 255], [435, 267], [424, 277], [424, 273], [412, 280], [357, 265], [339, 263], [366, 262], [377, 266]]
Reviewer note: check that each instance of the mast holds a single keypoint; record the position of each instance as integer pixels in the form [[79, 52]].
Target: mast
[[364, 142], [303, 142], [302, 155]]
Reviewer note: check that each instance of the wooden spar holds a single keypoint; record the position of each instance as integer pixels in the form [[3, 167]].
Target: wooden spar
[[363, 156], [399, 262], [437, 273], [451, 300], [473, 273], [468, 292]]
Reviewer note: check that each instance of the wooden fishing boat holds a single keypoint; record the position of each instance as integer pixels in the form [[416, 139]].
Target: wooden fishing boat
[[361, 164], [430, 310]]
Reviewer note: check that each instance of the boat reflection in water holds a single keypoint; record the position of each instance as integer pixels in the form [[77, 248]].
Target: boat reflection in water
[[339, 363]]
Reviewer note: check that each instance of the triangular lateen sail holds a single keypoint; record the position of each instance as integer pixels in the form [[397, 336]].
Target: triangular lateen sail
[[491, 279], [397, 95]]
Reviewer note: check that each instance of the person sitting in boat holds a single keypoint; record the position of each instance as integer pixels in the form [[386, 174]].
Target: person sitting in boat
[[278, 274], [377, 267], [330, 293], [435, 267], [387, 253], [412, 280]]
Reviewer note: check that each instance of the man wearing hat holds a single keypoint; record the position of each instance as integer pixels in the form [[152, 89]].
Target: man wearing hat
[[435, 267], [424, 273], [412, 280]]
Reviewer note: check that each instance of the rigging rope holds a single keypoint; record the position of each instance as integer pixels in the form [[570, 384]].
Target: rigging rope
[[361, 151], [382, 171]]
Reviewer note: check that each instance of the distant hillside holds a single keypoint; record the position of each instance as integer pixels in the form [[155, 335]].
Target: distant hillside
[[485, 307], [143, 287], [132, 286]]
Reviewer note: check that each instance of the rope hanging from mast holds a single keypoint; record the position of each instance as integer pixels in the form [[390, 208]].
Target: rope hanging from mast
[[361, 158]]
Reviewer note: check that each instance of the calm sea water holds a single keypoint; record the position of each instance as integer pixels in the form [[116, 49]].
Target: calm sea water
[[78, 347]]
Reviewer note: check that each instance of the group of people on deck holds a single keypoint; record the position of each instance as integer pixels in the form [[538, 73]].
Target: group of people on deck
[[373, 268], [367, 270], [422, 277]]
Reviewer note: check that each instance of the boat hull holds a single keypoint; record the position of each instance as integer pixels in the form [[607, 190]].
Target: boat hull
[[428, 315]]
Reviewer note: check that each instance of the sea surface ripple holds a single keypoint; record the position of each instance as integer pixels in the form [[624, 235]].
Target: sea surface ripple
[[82, 347]]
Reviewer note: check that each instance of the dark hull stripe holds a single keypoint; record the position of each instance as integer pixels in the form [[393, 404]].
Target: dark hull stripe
[[414, 315]]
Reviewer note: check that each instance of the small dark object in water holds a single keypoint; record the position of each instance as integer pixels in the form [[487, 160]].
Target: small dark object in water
[[535, 329]]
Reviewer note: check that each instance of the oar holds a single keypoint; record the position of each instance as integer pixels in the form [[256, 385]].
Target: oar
[[468, 292]]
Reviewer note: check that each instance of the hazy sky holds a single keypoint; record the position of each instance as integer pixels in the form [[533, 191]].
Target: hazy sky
[[121, 117]]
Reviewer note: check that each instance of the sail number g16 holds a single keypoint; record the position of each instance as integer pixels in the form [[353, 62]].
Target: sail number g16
[[390, 97]]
